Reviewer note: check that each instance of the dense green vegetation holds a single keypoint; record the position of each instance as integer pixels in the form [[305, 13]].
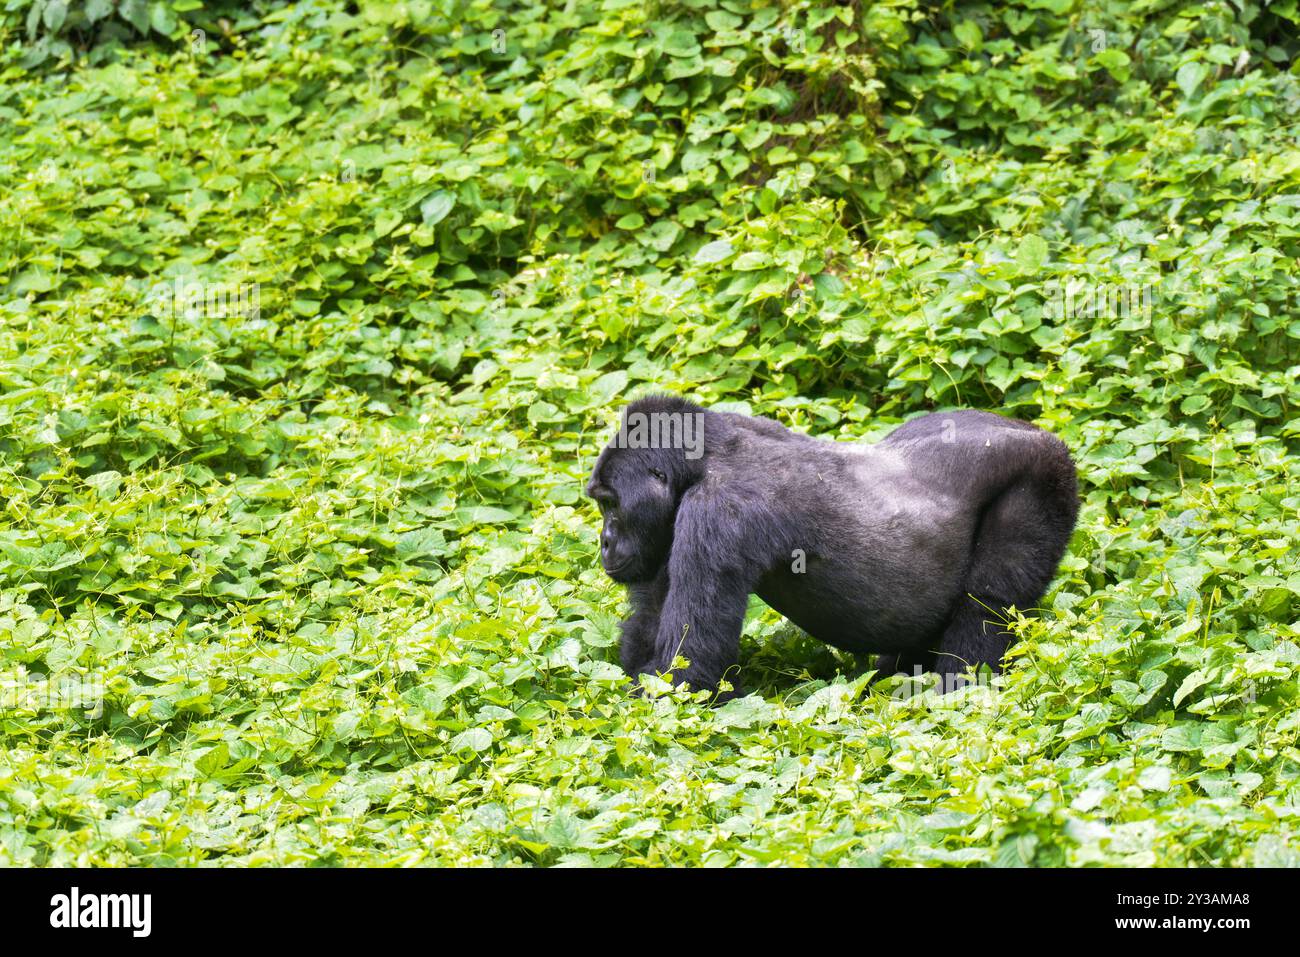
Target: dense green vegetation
[[314, 582]]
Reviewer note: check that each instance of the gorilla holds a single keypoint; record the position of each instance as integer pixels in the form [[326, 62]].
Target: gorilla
[[911, 548]]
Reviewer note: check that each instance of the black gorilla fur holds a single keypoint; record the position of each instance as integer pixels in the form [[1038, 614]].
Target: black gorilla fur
[[911, 548]]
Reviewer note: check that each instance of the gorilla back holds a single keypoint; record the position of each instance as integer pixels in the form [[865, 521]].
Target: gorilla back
[[912, 548]]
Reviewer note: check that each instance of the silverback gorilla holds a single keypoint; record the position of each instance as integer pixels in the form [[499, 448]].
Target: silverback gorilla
[[911, 548]]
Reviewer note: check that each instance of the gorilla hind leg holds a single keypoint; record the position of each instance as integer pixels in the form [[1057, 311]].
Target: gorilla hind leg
[[975, 636], [903, 663], [1018, 546]]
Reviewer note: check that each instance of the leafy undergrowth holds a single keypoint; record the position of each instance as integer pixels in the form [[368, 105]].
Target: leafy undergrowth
[[313, 582]]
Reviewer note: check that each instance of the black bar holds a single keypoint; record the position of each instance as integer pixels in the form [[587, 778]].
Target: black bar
[[501, 907]]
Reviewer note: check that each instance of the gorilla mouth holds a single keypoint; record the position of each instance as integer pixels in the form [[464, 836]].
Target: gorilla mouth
[[616, 570]]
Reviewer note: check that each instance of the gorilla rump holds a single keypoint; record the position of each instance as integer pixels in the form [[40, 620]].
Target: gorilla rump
[[911, 548]]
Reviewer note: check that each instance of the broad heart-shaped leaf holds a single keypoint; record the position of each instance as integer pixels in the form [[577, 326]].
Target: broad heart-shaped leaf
[[472, 739], [436, 206], [105, 484], [744, 712], [136, 13], [420, 542], [1116, 63], [713, 252], [681, 44], [56, 11], [1155, 777], [1032, 253], [1182, 737], [749, 261], [1193, 681], [660, 235], [1189, 77], [969, 33], [214, 759], [828, 285], [483, 515], [604, 389], [387, 221]]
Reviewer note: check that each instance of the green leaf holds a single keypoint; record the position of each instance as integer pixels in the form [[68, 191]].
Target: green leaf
[[1116, 62], [1189, 77], [472, 739], [969, 34], [1196, 679], [213, 760], [436, 206], [1031, 253], [386, 222], [660, 235], [751, 260], [56, 12], [607, 387], [713, 252], [136, 13], [681, 44]]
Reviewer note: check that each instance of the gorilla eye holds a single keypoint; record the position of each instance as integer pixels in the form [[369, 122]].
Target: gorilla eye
[[659, 475]]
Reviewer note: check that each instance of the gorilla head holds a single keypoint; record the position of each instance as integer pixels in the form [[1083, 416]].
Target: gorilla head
[[638, 483]]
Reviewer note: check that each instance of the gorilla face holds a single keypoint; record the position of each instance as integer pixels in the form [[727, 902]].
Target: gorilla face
[[633, 491]]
